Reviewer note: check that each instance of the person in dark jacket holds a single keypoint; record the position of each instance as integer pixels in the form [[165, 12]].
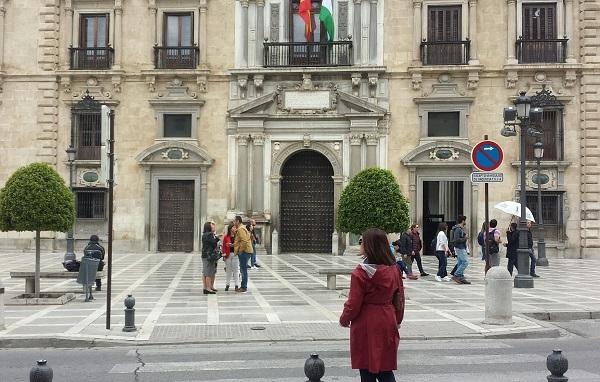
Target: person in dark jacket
[[532, 258], [512, 244], [417, 245], [459, 240], [96, 251], [210, 243], [405, 248]]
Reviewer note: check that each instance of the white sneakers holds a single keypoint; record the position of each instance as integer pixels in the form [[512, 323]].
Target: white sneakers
[[447, 278], [438, 279]]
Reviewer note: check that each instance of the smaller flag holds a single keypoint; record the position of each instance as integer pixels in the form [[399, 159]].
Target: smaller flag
[[326, 17], [304, 10]]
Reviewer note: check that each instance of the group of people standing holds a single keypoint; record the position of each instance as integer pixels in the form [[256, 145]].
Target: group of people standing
[[237, 249]]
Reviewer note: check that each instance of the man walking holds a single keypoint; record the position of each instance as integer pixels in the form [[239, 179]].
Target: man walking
[[459, 239], [255, 241], [417, 245], [405, 247], [242, 247], [532, 258]]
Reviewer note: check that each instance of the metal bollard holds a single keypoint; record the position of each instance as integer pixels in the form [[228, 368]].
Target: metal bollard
[[314, 368], [129, 314], [498, 297], [41, 372], [557, 365], [2, 327]]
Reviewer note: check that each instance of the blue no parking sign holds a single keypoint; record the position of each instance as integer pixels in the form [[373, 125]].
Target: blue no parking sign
[[487, 155]]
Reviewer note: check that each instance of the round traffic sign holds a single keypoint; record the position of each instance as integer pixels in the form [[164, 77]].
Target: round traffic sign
[[487, 155]]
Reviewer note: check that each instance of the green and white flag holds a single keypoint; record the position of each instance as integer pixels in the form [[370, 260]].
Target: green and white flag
[[326, 17]]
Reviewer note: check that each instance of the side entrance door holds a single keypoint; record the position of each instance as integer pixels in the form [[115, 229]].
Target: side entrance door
[[176, 215]]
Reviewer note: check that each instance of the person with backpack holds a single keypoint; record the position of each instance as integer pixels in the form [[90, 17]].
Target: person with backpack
[[481, 239], [493, 242], [459, 241], [442, 252]]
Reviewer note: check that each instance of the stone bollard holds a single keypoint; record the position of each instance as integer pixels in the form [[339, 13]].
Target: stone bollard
[[41, 372], [498, 297], [1, 306], [314, 368], [274, 242], [335, 243], [129, 314], [557, 365]]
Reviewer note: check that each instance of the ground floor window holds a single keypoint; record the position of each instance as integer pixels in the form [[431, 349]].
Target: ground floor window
[[90, 203], [552, 214]]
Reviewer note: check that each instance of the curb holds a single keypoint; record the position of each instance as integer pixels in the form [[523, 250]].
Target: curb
[[563, 316]]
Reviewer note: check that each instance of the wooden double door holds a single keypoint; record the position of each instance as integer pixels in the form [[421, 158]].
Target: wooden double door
[[176, 215]]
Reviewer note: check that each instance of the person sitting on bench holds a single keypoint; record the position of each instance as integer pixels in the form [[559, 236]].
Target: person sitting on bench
[[95, 251]]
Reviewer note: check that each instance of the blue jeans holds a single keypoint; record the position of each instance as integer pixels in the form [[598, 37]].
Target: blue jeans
[[442, 263], [402, 267], [244, 268], [462, 261], [253, 260]]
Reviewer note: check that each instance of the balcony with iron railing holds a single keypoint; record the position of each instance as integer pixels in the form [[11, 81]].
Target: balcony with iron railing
[[307, 54], [176, 57], [91, 58], [541, 51], [445, 52]]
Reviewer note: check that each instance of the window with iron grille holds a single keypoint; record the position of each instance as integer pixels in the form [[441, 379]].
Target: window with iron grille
[[90, 203], [552, 138], [86, 128], [552, 214]]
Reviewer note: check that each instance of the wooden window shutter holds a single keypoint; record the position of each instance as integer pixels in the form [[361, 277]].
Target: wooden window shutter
[[539, 21], [444, 24]]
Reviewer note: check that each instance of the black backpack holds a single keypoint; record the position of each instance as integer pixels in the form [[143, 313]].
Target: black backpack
[[491, 242]]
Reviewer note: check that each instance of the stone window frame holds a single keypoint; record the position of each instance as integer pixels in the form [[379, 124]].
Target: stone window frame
[[160, 22], [81, 190], [464, 4], [560, 15], [462, 108], [176, 109], [76, 32]]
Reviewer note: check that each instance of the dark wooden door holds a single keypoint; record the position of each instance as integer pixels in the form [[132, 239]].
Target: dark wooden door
[[176, 215], [306, 203], [444, 33], [539, 34]]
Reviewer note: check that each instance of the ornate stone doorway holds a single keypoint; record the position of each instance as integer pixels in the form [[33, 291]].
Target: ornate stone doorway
[[176, 215], [307, 203]]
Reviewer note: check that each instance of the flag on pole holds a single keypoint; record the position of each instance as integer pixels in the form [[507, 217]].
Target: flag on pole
[[326, 17], [304, 10]]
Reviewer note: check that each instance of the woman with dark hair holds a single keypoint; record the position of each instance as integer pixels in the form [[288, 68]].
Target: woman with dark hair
[[232, 263], [442, 251], [375, 308], [210, 243]]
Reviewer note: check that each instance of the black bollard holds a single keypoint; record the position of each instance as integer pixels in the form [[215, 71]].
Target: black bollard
[[41, 372], [314, 368], [557, 365], [129, 314]]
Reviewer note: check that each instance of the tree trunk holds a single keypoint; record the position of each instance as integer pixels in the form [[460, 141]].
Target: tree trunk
[[37, 264]]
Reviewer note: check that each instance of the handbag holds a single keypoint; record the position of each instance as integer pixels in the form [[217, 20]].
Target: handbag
[[215, 255]]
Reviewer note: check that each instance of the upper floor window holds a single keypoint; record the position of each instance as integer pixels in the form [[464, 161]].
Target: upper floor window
[[298, 32], [178, 50], [539, 42], [94, 51], [86, 129], [552, 138], [177, 125], [445, 44], [443, 124]]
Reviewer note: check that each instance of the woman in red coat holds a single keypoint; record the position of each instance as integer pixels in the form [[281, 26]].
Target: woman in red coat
[[374, 309]]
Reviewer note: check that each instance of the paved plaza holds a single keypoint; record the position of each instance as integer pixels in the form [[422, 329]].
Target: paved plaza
[[287, 300]]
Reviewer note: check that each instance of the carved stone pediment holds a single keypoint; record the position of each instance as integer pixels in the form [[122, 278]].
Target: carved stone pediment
[[175, 153], [440, 153]]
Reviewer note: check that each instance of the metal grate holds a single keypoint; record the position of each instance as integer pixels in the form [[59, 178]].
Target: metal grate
[[552, 213], [91, 204], [86, 133]]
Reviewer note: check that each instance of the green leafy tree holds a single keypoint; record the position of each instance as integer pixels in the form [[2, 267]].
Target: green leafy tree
[[35, 198], [372, 199]]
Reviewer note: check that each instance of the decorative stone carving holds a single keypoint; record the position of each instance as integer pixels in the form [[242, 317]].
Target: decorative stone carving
[[444, 154], [416, 80], [570, 78], [176, 90], [96, 92], [372, 139], [356, 80], [242, 139], [306, 140], [512, 77], [342, 19], [336, 146], [548, 179], [175, 154], [258, 82], [539, 77], [444, 78], [151, 81], [473, 80], [276, 146], [307, 83], [116, 83], [258, 139], [355, 139], [243, 85], [92, 81], [88, 177], [65, 82], [274, 32], [373, 80], [201, 81]]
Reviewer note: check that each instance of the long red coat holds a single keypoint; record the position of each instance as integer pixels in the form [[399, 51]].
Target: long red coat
[[374, 320]]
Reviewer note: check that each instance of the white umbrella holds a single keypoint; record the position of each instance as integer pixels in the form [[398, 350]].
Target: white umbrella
[[514, 208]]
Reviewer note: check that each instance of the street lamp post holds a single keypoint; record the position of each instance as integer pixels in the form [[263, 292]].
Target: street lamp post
[[524, 114], [70, 253], [538, 152]]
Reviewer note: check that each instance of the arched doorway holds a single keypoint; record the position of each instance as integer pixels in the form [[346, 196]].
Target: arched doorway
[[307, 203]]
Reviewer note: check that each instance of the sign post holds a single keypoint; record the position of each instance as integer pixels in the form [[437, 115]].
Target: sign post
[[487, 156]]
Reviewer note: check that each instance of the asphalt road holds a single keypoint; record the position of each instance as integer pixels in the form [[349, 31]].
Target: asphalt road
[[457, 360]]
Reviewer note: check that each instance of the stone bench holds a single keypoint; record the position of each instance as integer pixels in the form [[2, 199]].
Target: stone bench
[[30, 277], [332, 273]]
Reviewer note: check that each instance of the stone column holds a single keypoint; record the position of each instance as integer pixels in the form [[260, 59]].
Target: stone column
[[152, 28], [118, 43], [202, 34], [569, 31], [357, 35], [260, 31], [373, 32], [241, 186], [372, 141], [511, 31], [355, 154], [417, 32], [2, 13], [244, 31], [473, 32], [257, 175]]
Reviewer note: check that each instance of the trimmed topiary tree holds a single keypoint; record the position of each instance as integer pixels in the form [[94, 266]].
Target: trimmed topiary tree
[[372, 199], [35, 198]]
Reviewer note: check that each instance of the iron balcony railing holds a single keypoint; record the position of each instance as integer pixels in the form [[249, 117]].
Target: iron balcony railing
[[541, 51], [91, 58], [176, 57], [445, 52], [335, 53]]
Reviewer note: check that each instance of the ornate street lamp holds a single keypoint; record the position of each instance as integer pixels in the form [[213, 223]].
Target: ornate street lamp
[[526, 117], [70, 254], [538, 153]]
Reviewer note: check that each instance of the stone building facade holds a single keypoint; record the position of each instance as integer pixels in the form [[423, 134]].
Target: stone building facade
[[224, 108]]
